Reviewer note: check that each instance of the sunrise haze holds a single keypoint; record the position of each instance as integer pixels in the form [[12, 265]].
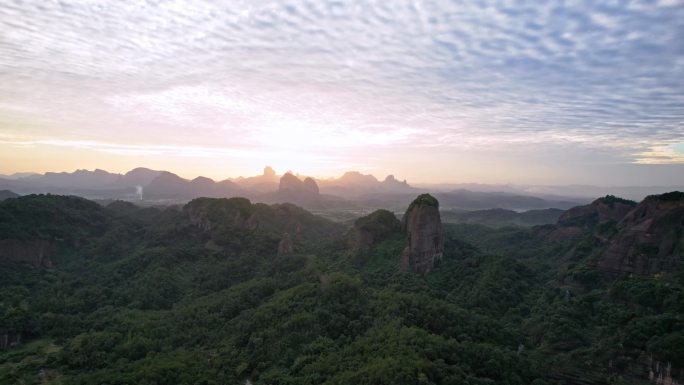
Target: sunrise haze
[[431, 91]]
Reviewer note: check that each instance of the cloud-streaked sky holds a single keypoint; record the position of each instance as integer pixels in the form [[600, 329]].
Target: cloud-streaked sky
[[461, 91]]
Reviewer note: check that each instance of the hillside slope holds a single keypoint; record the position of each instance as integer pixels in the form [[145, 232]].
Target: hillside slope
[[200, 294]]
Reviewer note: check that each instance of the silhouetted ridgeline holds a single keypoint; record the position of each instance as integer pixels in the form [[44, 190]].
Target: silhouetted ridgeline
[[352, 190]]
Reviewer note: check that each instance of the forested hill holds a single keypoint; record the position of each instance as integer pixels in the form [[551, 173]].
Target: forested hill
[[224, 291]]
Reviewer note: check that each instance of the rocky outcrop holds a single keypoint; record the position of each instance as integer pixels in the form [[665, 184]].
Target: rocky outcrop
[[290, 184], [269, 172], [285, 246], [266, 182], [373, 228], [205, 213], [224, 218], [391, 184], [36, 253], [245, 221], [423, 227], [649, 239], [662, 373], [602, 210], [9, 340], [581, 219], [310, 186], [199, 218], [300, 192]]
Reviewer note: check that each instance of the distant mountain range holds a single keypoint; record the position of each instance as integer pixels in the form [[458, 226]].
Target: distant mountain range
[[18, 175], [502, 217], [575, 192], [353, 190]]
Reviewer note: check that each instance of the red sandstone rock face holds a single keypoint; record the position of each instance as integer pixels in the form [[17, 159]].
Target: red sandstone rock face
[[200, 218], [599, 211], [8, 340], [423, 225], [245, 222], [650, 239], [576, 221], [285, 246], [311, 186], [36, 253]]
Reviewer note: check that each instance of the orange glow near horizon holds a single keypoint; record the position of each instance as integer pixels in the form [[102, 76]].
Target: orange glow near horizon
[[430, 91]]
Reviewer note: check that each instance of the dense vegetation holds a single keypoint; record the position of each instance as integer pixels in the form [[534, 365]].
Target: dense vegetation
[[380, 223], [673, 196], [612, 199], [147, 296], [424, 200]]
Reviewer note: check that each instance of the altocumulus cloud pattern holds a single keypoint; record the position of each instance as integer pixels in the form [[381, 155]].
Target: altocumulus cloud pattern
[[344, 74]]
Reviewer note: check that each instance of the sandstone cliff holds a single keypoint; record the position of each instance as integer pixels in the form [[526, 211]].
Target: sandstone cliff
[[36, 253], [235, 218], [8, 340], [578, 220], [602, 210], [650, 238], [423, 226], [311, 186], [285, 246], [205, 213]]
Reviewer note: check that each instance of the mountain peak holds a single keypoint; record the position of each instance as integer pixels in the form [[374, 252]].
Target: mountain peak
[[138, 170], [423, 225], [203, 180], [291, 183], [356, 177], [269, 171]]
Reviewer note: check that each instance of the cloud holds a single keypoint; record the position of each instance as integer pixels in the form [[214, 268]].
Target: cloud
[[302, 75], [667, 154]]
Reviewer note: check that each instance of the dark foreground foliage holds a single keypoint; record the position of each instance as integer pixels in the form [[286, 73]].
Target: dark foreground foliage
[[142, 296]]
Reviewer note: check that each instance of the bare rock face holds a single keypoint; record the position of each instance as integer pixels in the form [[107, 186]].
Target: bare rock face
[[246, 222], [8, 340], [199, 218], [373, 228], [204, 212], [311, 186], [36, 253], [602, 210], [423, 226], [285, 246], [577, 220], [650, 238]]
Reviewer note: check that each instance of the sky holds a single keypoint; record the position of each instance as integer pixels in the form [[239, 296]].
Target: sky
[[558, 92]]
